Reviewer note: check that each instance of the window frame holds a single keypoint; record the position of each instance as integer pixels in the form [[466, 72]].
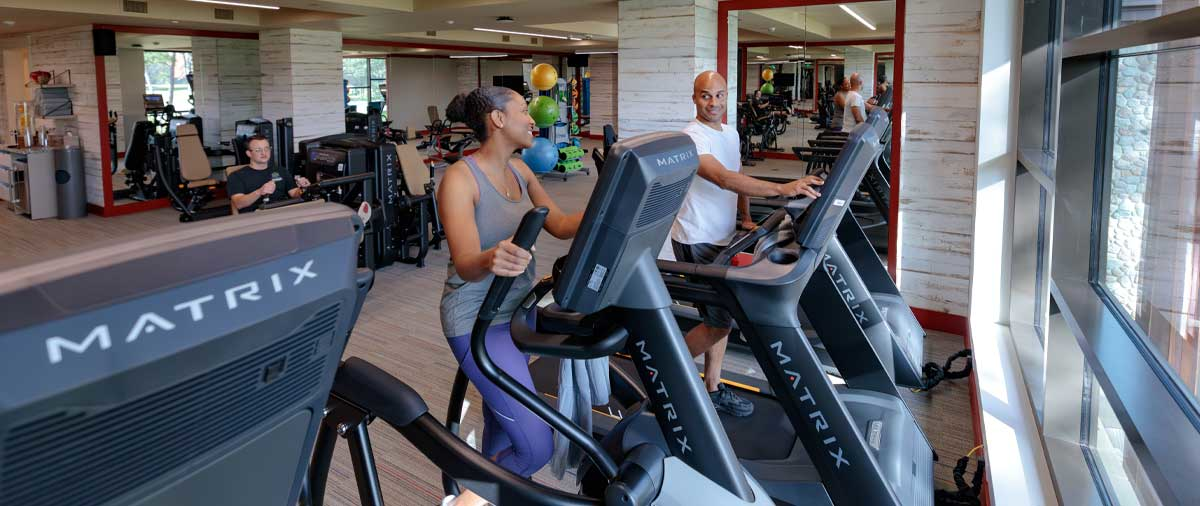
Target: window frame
[[371, 81], [1160, 418], [169, 100]]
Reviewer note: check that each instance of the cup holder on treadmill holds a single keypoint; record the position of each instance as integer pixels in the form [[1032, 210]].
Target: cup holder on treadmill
[[783, 256]]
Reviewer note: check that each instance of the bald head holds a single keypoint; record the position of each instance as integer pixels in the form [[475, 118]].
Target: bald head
[[855, 81], [709, 93], [708, 80]]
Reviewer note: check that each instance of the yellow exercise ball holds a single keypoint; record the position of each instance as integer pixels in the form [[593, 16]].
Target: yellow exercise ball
[[768, 74], [544, 76]]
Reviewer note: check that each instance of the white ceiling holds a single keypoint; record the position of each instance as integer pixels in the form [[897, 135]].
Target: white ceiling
[[452, 20]]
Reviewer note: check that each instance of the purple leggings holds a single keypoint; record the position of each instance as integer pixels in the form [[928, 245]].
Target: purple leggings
[[512, 435]]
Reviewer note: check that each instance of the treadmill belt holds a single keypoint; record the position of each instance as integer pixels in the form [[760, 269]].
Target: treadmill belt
[[747, 434]]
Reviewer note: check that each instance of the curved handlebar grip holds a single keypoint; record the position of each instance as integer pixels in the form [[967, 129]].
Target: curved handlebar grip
[[527, 232], [530, 227]]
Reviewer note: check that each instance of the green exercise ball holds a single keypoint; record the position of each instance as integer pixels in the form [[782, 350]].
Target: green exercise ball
[[767, 89], [544, 111]]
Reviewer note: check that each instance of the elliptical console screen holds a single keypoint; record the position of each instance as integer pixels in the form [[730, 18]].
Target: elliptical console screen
[[627, 219]]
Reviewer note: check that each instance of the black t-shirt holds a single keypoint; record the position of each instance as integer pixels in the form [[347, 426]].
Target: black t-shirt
[[884, 98], [249, 179]]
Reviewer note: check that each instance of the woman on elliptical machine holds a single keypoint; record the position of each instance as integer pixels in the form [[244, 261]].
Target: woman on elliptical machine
[[481, 201]]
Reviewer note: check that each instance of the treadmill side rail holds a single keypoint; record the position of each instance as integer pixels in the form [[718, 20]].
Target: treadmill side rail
[[822, 422]]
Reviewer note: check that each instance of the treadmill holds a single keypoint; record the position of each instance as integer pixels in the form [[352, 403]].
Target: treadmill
[[879, 313], [808, 442]]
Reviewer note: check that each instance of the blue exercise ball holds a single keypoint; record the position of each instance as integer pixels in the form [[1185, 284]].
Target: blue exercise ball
[[542, 156]]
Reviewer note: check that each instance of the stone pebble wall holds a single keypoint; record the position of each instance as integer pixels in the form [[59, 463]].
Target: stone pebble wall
[[1131, 158]]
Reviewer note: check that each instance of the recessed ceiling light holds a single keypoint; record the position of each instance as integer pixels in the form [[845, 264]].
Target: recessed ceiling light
[[796, 47], [833, 55], [9, 22], [449, 21], [237, 4], [856, 16], [561, 37], [771, 29], [174, 21]]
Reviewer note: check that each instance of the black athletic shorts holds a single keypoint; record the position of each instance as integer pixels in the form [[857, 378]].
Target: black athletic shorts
[[704, 253]]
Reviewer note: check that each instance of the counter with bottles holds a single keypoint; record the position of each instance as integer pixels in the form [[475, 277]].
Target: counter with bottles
[[27, 181]]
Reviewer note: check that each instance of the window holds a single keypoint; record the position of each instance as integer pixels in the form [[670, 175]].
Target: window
[[1151, 260], [167, 75], [366, 83], [1120, 363], [1039, 46], [1114, 465], [1082, 17], [1132, 11]]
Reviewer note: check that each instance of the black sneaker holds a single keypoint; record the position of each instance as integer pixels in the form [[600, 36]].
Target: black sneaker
[[730, 403]]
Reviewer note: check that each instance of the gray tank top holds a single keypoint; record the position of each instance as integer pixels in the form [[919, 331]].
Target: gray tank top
[[497, 218], [838, 113]]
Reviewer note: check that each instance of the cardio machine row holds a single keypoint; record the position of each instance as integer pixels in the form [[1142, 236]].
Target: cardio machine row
[[610, 279]]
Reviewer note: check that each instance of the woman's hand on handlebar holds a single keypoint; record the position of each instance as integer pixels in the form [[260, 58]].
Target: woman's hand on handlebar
[[747, 225], [508, 259], [805, 187]]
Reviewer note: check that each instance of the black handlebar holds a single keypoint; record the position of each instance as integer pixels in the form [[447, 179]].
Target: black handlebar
[[526, 234]]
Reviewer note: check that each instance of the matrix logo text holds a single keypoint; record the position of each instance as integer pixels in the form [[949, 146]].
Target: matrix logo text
[[185, 311]]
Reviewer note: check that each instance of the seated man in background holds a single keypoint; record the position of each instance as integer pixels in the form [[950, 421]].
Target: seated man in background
[[260, 181]]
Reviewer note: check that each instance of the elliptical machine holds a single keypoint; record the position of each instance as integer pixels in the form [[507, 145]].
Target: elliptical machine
[[610, 276]]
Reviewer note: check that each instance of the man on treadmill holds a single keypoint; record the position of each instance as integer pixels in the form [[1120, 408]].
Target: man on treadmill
[[708, 220], [261, 181]]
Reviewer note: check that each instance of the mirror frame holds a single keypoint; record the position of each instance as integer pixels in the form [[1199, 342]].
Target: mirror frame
[[110, 208], [727, 6]]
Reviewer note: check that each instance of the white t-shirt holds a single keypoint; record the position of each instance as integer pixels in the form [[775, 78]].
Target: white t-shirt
[[709, 213], [853, 99]]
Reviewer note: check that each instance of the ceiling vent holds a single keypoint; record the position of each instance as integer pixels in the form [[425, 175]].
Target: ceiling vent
[[431, 33], [135, 7], [225, 14]]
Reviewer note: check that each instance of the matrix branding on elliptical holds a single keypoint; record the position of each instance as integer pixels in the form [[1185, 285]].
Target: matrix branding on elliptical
[[664, 397], [191, 311], [675, 158]]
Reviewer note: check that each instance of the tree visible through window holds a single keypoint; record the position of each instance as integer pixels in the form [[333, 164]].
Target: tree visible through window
[[166, 74], [366, 83]]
